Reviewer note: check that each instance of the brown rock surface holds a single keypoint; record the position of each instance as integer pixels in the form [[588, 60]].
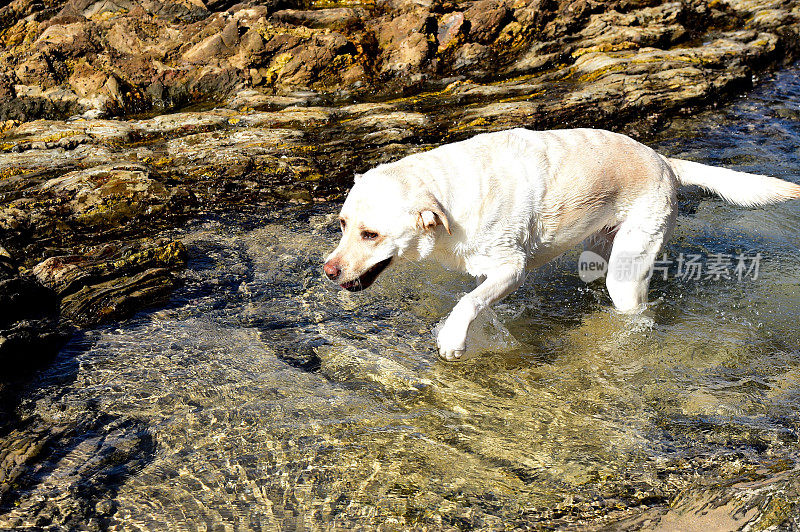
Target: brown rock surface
[[118, 57]]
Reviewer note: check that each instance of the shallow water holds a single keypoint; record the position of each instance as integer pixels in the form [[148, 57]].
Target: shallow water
[[262, 398]]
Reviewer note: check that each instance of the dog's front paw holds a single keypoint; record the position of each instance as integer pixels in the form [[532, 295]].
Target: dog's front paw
[[452, 344]]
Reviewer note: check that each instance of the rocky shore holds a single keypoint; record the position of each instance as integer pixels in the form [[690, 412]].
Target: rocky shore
[[120, 119], [117, 57]]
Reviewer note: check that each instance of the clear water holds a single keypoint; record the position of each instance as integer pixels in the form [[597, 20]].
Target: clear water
[[263, 398]]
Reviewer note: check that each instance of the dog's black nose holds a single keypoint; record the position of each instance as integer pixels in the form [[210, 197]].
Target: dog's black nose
[[331, 270]]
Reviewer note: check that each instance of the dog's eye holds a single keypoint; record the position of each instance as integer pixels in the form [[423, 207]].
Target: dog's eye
[[369, 235], [342, 224]]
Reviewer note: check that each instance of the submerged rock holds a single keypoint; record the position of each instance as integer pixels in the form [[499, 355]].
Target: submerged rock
[[353, 365], [39, 307]]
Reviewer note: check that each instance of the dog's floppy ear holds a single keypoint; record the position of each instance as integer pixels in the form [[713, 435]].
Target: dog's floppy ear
[[432, 215]]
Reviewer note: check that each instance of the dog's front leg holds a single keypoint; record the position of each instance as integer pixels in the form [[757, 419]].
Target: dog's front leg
[[452, 338]]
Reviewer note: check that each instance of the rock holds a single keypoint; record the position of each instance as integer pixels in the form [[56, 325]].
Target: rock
[[470, 55], [404, 41], [118, 297], [254, 99], [252, 43], [110, 282], [118, 57], [205, 150], [6, 89], [486, 17], [338, 18], [207, 50], [295, 117], [109, 194], [36, 70], [92, 453], [22, 298], [353, 365], [66, 275], [30, 332], [29, 343], [230, 33], [170, 124], [451, 26], [302, 65], [409, 55], [85, 80], [68, 39], [113, 90], [396, 119]]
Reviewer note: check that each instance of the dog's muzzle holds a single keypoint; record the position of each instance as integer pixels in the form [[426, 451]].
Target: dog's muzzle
[[366, 278]]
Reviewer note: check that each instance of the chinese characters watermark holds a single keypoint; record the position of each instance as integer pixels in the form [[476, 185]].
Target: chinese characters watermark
[[686, 267]]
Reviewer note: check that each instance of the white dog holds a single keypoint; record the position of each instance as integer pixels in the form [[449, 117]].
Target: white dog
[[501, 203]]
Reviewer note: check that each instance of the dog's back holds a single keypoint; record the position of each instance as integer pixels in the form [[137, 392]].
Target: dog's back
[[547, 190]]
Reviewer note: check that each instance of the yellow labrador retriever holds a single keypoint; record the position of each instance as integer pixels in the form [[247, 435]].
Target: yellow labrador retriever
[[501, 203]]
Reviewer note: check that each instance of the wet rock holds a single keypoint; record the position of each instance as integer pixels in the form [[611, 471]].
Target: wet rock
[[27, 344], [185, 123], [118, 298], [38, 308], [352, 365], [294, 117], [21, 297], [111, 282], [109, 194], [68, 274], [254, 99], [104, 197], [299, 353], [207, 150], [99, 451], [391, 120]]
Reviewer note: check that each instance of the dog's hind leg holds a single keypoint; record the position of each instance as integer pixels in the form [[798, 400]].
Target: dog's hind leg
[[636, 244]]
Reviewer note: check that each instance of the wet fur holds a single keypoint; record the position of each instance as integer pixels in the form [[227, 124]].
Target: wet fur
[[501, 203]]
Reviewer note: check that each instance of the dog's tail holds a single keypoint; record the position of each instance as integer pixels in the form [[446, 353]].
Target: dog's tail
[[740, 188]]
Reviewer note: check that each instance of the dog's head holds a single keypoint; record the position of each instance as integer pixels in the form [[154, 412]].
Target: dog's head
[[382, 218]]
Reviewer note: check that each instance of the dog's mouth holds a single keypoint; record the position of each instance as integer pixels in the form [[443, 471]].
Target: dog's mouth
[[366, 278]]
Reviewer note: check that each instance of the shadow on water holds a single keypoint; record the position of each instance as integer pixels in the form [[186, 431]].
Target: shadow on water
[[262, 397]]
